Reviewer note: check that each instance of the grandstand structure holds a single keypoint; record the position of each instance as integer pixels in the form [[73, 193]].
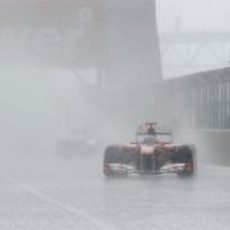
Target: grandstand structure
[[117, 39]]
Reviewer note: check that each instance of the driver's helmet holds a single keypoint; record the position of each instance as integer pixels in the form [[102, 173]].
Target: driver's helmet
[[151, 130]]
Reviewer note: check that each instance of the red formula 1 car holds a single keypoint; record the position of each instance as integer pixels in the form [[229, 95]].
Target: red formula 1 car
[[152, 153]]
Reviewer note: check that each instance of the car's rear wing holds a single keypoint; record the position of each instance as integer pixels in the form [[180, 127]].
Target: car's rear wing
[[157, 133]]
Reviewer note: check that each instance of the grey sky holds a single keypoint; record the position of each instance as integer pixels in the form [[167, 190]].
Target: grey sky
[[195, 15]]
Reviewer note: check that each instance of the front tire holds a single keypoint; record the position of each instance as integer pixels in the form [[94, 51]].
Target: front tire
[[185, 155]]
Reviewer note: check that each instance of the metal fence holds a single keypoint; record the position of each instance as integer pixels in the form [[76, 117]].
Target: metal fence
[[200, 100]]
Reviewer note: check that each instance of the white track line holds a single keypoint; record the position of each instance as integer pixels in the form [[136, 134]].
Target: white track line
[[95, 222]]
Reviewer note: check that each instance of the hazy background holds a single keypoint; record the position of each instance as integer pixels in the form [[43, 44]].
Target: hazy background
[[198, 33], [196, 15], [41, 105]]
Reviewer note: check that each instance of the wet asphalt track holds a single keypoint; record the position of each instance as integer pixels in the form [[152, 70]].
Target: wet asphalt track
[[53, 193]]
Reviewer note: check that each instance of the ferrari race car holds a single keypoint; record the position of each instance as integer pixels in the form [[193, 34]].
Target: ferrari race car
[[152, 153]]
